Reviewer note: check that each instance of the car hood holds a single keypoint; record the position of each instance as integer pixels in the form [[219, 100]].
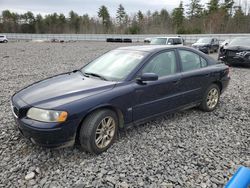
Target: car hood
[[62, 89], [237, 48], [200, 44]]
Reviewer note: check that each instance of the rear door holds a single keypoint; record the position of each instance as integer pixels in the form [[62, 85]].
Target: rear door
[[159, 96], [195, 76]]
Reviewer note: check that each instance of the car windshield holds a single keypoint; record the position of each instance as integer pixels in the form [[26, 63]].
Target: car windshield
[[204, 40], [158, 41], [115, 65], [240, 42]]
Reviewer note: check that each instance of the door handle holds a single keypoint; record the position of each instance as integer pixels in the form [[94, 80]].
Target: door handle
[[207, 75], [176, 81]]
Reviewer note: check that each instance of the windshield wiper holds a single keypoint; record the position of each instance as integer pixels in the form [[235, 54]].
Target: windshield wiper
[[95, 75]]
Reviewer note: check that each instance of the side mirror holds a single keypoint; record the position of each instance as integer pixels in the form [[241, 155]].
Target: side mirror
[[147, 77], [226, 43]]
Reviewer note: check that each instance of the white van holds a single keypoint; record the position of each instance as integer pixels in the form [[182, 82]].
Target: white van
[[177, 41], [3, 38]]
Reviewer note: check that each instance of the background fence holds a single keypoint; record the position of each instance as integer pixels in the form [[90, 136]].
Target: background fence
[[102, 37]]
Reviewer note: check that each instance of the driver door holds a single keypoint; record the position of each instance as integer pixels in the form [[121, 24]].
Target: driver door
[[156, 97]]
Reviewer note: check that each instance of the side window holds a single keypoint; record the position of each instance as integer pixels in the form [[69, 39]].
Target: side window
[[170, 41], [177, 41], [162, 64], [191, 60], [203, 62]]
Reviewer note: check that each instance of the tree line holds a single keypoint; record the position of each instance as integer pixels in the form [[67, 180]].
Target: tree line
[[191, 18]]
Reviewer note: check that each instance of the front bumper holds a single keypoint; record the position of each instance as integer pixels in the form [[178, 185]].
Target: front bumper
[[62, 136], [202, 49], [236, 60]]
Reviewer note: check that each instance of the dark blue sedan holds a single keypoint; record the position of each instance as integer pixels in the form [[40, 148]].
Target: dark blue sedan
[[123, 87]]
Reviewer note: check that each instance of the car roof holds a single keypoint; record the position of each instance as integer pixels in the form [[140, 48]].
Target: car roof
[[150, 48], [166, 37]]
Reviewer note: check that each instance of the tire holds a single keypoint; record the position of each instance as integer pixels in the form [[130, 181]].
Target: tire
[[211, 98], [94, 137], [5, 41]]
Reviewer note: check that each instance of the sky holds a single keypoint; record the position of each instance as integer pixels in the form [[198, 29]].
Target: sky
[[86, 6]]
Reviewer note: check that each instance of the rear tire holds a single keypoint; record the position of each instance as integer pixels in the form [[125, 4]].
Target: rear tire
[[211, 98], [98, 131]]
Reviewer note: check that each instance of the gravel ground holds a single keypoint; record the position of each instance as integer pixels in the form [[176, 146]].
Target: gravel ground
[[186, 149]]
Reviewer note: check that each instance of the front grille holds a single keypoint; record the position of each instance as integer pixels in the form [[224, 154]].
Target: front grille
[[231, 53]]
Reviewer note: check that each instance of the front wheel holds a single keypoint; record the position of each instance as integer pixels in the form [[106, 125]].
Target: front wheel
[[211, 98], [98, 131]]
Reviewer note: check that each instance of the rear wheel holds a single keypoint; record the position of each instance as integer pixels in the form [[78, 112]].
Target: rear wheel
[[98, 131], [211, 98], [5, 41]]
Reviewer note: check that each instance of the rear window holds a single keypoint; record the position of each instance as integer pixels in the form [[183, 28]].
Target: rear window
[[1, 36], [177, 41]]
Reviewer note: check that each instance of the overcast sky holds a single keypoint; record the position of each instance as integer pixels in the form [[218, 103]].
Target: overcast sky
[[86, 6]]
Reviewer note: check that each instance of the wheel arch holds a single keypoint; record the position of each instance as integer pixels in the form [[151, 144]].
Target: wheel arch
[[110, 107], [219, 84]]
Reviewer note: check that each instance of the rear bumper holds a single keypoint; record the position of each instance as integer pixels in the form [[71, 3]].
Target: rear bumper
[[225, 84], [63, 136]]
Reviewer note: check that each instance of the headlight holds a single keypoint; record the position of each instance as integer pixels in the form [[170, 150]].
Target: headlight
[[47, 115]]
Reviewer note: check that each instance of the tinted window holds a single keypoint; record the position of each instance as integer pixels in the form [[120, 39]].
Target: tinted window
[[1, 36], [162, 64], [191, 60], [177, 41]]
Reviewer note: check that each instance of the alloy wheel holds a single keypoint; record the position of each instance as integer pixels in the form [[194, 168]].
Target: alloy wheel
[[212, 98], [105, 132]]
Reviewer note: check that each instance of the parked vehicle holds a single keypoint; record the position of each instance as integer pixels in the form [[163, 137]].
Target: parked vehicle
[[125, 40], [236, 52], [126, 86], [3, 38], [147, 40], [176, 41], [225, 42], [207, 45]]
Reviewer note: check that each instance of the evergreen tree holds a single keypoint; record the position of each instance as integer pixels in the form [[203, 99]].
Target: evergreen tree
[[178, 16], [103, 13], [213, 6], [194, 9], [120, 15]]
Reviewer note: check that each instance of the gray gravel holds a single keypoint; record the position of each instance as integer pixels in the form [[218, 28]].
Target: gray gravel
[[186, 149]]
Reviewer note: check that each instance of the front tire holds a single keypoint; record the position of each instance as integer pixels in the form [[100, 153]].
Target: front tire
[[98, 131], [211, 98]]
